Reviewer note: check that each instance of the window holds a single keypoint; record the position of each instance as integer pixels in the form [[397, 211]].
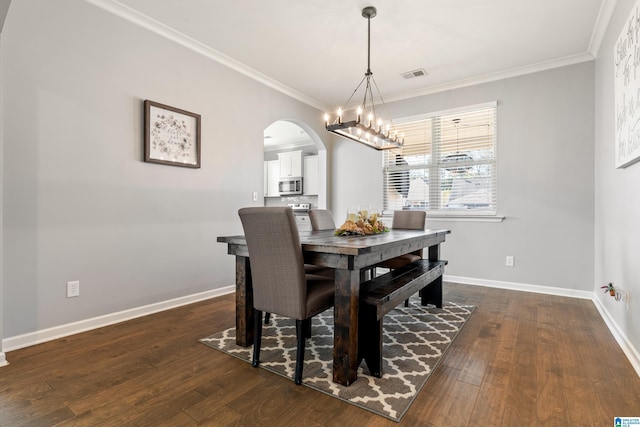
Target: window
[[447, 165]]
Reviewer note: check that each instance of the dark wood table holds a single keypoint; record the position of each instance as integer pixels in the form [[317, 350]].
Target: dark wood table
[[351, 257]]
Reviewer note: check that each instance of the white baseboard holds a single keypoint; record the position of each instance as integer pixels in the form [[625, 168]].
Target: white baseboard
[[3, 360], [37, 337], [627, 348], [514, 286]]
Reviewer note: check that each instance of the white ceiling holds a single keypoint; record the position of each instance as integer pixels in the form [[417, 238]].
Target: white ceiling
[[316, 50], [284, 135]]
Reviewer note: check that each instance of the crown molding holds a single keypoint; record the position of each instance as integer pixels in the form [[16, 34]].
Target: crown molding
[[116, 8], [290, 146], [602, 22], [487, 78]]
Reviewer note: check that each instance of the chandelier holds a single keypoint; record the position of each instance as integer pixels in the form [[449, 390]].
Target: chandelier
[[372, 131]]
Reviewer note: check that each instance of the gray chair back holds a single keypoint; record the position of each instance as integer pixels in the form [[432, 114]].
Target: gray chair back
[[409, 220], [321, 219], [277, 263]]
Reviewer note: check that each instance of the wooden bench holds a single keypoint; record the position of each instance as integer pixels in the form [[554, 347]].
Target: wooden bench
[[382, 294]]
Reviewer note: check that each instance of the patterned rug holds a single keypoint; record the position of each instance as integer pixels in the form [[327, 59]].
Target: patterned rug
[[415, 340]]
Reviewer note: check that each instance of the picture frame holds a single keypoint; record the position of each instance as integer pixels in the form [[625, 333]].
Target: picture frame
[[626, 54], [171, 135]]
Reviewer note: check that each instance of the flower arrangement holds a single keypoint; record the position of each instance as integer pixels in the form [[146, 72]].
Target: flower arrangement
[[361, 224]]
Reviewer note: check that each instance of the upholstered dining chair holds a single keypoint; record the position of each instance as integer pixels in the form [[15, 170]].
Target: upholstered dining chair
[[321, 219], [405, 220], [280, 284]]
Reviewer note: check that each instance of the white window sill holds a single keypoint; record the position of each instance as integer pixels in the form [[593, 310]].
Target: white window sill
[[465, 218], [454, 218]]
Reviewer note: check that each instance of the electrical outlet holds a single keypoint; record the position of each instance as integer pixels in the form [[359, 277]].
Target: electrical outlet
[[510, 260], [73, 289]]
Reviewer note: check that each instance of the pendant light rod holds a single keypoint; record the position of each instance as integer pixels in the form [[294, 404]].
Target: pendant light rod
[[369, 12], [372, 130]]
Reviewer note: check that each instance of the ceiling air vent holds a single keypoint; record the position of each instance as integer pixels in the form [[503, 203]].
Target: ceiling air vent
[[415, 73]]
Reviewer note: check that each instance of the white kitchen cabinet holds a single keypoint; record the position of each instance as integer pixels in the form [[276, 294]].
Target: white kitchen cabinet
[[272, 175], [310, 177], [290, 164]]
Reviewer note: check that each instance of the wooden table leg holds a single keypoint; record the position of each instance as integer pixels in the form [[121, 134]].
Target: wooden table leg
[[345, 336], [434, 252], [432, 294], [244, 302]]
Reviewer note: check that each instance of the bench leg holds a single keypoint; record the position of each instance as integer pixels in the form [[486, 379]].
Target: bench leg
[[370, 341], [432, 293]]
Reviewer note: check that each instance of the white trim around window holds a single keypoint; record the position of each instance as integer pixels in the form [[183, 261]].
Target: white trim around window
[[447, 165]]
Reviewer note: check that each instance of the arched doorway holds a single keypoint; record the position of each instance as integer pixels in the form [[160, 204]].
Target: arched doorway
[[284, 136]]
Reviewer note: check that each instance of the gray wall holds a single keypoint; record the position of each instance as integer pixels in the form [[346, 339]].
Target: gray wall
[[545, 181], [356, 177], [617, 202], [79, 202], [4, 7]]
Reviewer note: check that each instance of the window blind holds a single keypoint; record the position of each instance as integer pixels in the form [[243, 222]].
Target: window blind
[[447, 164]]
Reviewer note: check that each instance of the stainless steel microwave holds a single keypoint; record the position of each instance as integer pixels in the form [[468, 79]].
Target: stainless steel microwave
[[290, 185]]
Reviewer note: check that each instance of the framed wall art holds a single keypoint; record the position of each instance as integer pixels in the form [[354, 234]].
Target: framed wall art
[[626, 53], [171, 135]]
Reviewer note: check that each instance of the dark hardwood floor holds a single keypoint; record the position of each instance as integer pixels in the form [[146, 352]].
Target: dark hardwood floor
[[522, 359]]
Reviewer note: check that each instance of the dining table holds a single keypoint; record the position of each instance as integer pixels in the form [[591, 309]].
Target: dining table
[[351, 257]]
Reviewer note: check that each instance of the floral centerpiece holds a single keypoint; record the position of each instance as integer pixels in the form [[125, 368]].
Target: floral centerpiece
[[361, 224]]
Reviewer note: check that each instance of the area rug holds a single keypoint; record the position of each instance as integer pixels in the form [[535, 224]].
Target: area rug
[[415, 341]]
